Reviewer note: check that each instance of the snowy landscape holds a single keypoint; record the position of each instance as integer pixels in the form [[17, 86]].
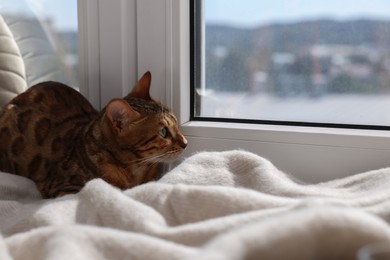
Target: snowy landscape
[[339, 109]]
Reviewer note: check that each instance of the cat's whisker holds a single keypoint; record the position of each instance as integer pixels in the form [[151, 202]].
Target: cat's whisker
[[145, 160], [155, 158], [149, 158]]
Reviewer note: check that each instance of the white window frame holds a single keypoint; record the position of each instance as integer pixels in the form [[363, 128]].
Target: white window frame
[[122, 39]]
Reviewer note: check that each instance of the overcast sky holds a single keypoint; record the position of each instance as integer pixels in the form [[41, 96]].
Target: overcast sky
[[63, 13], [241, 13], [255, 12]]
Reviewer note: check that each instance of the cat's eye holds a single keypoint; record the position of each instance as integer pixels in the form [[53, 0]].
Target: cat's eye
[[163, 132]]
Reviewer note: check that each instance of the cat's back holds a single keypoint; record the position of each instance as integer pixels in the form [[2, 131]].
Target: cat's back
[[45, 105], [50, 106], [52, 101], [52, 98], [41, 121]]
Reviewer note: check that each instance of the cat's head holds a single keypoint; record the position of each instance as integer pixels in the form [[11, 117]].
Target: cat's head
[[144, 127]]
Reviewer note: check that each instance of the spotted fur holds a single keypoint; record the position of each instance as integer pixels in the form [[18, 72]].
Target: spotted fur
[[52, 135]]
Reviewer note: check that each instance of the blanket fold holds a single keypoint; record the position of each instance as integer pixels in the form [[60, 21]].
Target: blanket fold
[[214, 205]]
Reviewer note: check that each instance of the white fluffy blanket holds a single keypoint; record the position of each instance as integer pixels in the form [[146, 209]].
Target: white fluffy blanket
[[229, 205]]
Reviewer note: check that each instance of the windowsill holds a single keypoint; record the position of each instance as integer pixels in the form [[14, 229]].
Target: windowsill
[[337, 137]]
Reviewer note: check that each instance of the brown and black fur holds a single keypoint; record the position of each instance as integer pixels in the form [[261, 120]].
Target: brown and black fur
[[52, 135]]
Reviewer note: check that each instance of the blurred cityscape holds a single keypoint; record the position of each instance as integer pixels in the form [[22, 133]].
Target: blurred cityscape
[[309, 58]]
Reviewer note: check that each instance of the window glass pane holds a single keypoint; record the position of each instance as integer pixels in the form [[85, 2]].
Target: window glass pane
[[295, 60], [45, 32]]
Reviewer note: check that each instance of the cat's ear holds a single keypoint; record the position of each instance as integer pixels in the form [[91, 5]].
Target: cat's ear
[[120, 114], [141, 89]]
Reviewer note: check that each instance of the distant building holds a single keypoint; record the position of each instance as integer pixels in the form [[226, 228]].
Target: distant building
[[324, 68]]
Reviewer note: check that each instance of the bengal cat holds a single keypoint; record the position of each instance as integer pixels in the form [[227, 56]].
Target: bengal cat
[[52, 135]]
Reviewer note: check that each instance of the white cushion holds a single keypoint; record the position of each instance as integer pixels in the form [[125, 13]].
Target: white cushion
[[12, 69]]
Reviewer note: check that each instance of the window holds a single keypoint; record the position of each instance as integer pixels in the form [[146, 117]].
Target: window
[[46, 33], [164, 33], [292, 62], [120, 40]]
